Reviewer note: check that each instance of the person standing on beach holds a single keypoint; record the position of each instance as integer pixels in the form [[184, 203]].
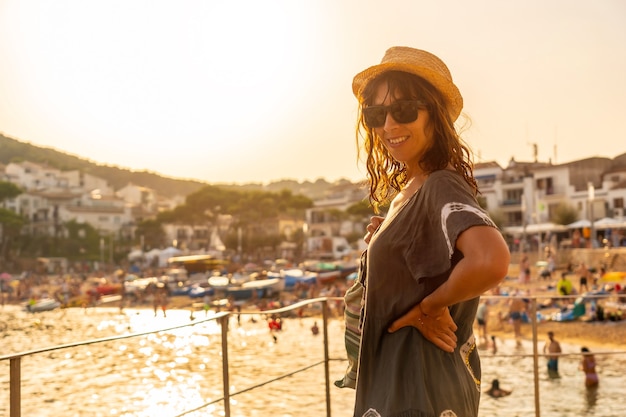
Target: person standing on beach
[[551, 263], [552, 346], [583, 274], [435, 252], [524, 269], [160, 299]]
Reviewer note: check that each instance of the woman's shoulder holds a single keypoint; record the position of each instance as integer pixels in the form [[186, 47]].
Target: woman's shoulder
[[445, 175], [446, 178], [446, 185]]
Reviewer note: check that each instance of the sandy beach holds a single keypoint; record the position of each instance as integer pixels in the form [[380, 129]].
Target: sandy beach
[[582, 331], [594, 334]]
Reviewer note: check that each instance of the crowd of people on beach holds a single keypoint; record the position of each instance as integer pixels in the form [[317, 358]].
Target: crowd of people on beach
[[87, 289], [552, 351], [515, 311]]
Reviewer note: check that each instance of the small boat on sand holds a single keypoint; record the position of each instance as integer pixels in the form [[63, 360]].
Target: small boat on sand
[[260, 288], [295, 276], [45, 304]]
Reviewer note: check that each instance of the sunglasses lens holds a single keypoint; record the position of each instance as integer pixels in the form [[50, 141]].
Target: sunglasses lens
[[402, 112], [375, 116]]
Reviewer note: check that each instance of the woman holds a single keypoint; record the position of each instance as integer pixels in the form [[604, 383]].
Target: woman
[[588, 366], [435, 252]]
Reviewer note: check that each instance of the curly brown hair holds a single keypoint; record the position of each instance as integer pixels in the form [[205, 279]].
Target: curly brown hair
[[387, 176]]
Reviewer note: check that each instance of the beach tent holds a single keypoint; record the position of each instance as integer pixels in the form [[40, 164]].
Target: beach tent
[[168, 253], [152, 253], [135, 254], [579, 224]]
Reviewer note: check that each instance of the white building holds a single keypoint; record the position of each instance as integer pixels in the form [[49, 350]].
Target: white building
[[530, 192], [107, 220], [32, 176], [52, 197], [144, 197]]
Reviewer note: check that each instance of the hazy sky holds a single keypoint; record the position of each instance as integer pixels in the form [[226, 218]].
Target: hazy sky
[[240, 91]]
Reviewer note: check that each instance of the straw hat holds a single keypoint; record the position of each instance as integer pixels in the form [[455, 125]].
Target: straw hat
[[418, 62]]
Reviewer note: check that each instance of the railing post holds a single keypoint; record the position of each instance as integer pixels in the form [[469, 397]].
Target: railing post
[[225, 371], [326, 356], [533, 318], [15, 384]]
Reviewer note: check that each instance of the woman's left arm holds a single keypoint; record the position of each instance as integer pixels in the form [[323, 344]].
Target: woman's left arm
[[484, 265]]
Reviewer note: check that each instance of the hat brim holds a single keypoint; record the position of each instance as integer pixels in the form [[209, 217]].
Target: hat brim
[[446, 87]]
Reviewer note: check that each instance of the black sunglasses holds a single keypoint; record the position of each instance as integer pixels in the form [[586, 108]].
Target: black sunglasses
[[402, 111]]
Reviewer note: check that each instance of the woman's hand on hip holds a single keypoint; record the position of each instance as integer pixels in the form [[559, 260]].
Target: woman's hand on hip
[[438, 328]]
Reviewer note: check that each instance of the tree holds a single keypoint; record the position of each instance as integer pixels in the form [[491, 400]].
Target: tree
[[564, 214], [152, 232], [10, 226], [497, 217], [10, 223], [9, 190], [81, 242], [361, 209]]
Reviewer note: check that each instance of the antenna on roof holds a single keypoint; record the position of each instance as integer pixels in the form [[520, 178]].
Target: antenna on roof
[[535, 150], [555, 140]]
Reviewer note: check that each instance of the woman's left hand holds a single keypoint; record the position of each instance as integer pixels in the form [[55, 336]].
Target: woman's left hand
[[439, 328]]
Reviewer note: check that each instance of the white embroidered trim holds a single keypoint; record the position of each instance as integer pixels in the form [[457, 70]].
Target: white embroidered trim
[[373, 413], [450, 208]]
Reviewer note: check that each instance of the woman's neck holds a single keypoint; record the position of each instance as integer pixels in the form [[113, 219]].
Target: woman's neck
[[414, 182]]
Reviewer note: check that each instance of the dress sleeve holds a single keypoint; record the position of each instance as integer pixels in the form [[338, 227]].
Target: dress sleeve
[[458, 210], [451, 208]]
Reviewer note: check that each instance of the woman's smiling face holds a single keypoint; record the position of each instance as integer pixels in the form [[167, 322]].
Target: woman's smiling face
[[406, 142]]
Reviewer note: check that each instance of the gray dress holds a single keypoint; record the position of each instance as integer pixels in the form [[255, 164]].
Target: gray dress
[[402, 374]]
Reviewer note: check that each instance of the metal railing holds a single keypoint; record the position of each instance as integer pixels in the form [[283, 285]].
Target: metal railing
[[223, 317], [532, 317], [15, 365]]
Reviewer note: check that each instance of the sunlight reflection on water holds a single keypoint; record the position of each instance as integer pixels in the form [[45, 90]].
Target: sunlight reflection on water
[[166, 374]]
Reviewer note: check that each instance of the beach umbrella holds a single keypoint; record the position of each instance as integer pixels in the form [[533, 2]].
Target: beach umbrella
[[544, 227], [608, 223], [579, 224], [615, 276], [513, 230]]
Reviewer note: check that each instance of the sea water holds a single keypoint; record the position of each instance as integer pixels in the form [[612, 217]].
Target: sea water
[[169, 373]]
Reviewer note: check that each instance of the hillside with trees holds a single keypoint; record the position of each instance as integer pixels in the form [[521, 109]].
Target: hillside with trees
[[13, 150]]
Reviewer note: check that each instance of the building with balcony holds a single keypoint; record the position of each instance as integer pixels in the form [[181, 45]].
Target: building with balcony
[[530, 192], [52, 197]]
